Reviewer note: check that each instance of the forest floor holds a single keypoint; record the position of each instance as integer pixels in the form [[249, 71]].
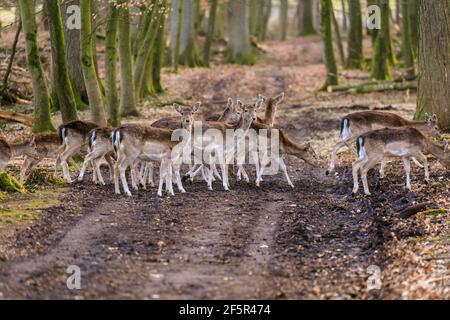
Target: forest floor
[[313, 242]]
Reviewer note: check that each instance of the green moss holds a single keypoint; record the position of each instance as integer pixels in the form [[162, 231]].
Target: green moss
[[9, 184], [434, 212], [42, 177], [12, 216]]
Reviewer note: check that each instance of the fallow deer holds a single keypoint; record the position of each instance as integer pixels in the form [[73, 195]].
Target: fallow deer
[[34, 150], [355, 124], [402, 142], [139, 142]]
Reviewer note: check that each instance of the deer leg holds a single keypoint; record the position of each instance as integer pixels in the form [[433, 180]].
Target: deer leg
[[216, 172], [178, 178], [110, 162], [28, 163], [425, 165], [150, 174], [336, 148], [407, 166], [417, 163], [90, 157], [355, 171], [162, 176], [284, 169], [169, 179], [364, 169], [382, 167], [122, 170], [98, 171], [69, 152]]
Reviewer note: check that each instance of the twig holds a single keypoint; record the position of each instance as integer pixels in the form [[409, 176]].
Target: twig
[[11, 60]]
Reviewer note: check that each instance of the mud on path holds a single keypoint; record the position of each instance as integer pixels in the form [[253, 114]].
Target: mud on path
[[270, 242]]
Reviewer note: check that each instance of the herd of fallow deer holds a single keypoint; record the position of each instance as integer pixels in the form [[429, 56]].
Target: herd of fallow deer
[[378, 135]]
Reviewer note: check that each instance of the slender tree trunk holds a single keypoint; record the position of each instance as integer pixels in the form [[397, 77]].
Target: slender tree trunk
[[307, 17], [344, 16], [381, 69], [70, 18], [434, 56], [42, 120], [338, 36], [283, 18], [112, 99], [414, 23], [210, 32], [173, 32], [330, 61], [158, 52], [407, 49], [355, 36], [267, 13], [189, 55], [61, 79], [127, 97], [144, 23], [96, 102], [239, 50], [144, 57]]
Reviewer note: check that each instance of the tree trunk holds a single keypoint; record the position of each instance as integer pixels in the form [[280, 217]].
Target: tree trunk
[[355, 36], [210, 32], [158, 52], [112, 99], [189, 55], [306, 19], [267, 13], [144, 23], [72, 47], [381, 69], [61, 79], [408, 54], [96, 102], [144, 57], [338, 36], [434, 57], [283, 18], [330, 61], [344, 16], [127, 97], [239, 50], [42, 120], [173, 32], [414, 23]]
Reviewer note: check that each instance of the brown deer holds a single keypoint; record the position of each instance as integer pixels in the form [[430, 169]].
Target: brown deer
[[355, 124], [34, 150], [401, 142], [139, 142]]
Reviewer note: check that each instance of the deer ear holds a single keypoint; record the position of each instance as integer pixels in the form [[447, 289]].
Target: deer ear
[[259, 103], [230, 103], [177, 108], [240, 105], [279, 98], [435, 119], [196, 106]]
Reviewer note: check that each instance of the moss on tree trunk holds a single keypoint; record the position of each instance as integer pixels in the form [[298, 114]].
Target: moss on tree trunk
[[96, 102], [355, 36], [127, 96], [330, 61], [42, 120], [381, 64], [112, 99], [408, 54], [239, 50], [62, 84], [283, 18]]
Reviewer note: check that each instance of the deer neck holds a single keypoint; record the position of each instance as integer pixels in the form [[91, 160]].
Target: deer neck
[[419, 125], [436, 150]]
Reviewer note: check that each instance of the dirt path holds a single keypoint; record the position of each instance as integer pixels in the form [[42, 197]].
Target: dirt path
[[270, 242]]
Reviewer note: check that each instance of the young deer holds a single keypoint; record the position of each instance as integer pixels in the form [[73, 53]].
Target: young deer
[[271, 109], [358, 123], [287, 147], [99, 147], [74, 136], [138, 142], [402, 142], [231, 114], [34, 150]]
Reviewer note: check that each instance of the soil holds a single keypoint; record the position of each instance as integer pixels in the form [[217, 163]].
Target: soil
[[273, 242]]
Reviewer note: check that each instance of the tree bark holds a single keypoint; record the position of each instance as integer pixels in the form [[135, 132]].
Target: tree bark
[[127, 97], [330, 61], [306, 19], [381, 69], [408, 54], [338, 36], [433, 61], [61, 79], [355, 36], [210, 32], [96, 102], [239, 50], [189, 55], [42, 120], [72, 48], [283, 18], [112, 99]]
